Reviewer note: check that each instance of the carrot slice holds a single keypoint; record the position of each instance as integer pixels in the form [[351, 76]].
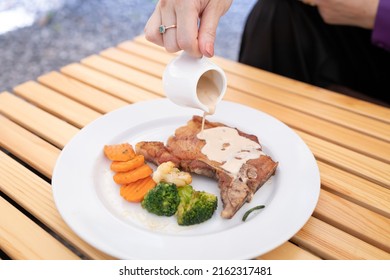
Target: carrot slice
[[119, 152], [123, 166], [123, 178], [136, 191]]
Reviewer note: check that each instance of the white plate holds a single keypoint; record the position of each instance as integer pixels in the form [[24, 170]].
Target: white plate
[[90, 204]]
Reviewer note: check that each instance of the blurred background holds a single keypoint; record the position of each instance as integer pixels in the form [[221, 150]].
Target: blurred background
[[38, 36]]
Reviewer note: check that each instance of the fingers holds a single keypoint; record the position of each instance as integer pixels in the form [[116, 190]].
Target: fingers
[[151, 28], [187, 30], [209, 23], [163, 14], [183, 37], [207, 33], [187, 36], [168, 18]]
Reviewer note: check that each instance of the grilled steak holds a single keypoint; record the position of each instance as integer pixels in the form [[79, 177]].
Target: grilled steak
[[184, 148]]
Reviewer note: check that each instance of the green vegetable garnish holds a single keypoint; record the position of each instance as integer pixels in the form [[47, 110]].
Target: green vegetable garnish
[[251, 210]]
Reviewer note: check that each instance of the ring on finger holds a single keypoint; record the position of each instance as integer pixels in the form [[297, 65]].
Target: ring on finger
[[163, 28]]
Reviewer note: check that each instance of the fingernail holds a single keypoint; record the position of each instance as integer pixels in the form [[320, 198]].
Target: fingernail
[[209, 50]]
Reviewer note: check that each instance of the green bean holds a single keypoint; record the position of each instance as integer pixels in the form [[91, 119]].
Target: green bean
[[250, 211]]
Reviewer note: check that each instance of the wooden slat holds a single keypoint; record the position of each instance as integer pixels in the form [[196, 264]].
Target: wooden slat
[[82, 93], [358, 221], [117, 88], [355, 189], [35, 195], [288, 251], [30, 148], [355, 163], [57, 104], [329, 242], [157, 55], [124, 73], [310, 106], [21, 238], [146, 65], [36, 120], [345, 102]]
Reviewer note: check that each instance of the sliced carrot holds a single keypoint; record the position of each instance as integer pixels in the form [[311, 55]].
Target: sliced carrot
[[119, 152], [123, 166], [136, 191], [123, 178]]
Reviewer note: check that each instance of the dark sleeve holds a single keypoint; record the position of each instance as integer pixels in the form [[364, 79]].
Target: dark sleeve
[[381, 32]]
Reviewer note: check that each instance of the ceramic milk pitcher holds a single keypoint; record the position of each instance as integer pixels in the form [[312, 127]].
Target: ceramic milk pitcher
[[194, 82]]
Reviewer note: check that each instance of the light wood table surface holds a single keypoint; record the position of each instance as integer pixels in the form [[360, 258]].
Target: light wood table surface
[[349, 138]]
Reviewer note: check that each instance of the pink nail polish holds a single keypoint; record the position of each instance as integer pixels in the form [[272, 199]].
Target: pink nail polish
[[209, 49]]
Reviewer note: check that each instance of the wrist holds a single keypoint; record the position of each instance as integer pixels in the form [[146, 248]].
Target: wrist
[[369, 15]]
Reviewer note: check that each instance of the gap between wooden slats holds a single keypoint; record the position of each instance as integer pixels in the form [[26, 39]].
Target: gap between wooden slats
[[355, 189], [82, 93], [36, 120], [332, 132], [331, 243], [108, 84], [364, 124], [21, 238], [322, 95], [56, 104], [358, 221], [35, 196]]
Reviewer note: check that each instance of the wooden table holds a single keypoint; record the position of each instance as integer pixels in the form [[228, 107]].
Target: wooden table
[[349, 138]]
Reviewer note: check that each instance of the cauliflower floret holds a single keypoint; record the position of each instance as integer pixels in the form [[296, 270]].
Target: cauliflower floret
[[167, 172]]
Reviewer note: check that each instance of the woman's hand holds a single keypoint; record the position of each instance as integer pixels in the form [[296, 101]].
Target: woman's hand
[[360, 13], [196, 25]]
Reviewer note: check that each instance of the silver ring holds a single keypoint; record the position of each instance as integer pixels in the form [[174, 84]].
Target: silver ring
[[162, 28]]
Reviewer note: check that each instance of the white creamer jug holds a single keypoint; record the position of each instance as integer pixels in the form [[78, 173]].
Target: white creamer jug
[[194, 82]]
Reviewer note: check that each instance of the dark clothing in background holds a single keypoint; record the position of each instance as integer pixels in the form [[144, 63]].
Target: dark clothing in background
[[290, 38]]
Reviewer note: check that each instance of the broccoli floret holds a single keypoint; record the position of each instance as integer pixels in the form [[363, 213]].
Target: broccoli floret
[[195, 206], [162, 200]]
